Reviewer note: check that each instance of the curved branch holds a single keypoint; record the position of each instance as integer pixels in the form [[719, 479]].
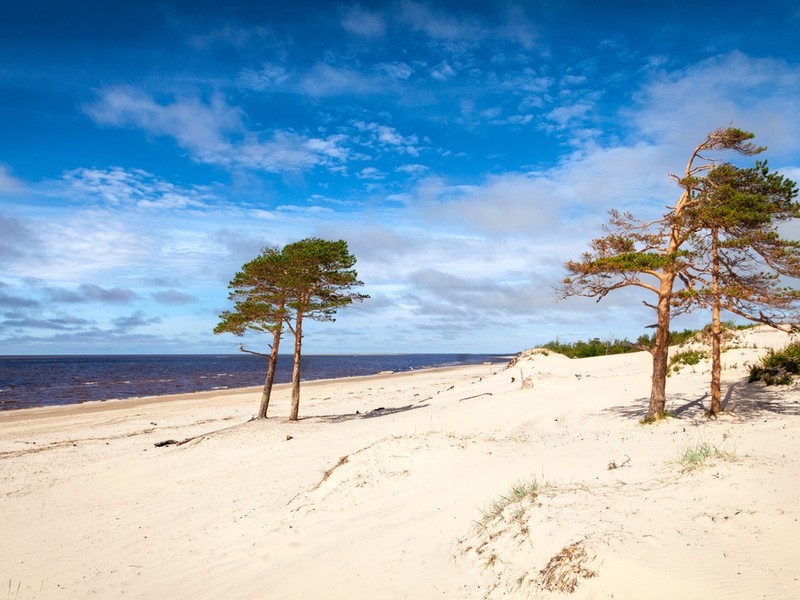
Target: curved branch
[[243, 349]]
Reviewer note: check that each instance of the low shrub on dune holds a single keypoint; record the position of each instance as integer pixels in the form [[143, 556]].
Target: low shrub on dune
[[778, 367]]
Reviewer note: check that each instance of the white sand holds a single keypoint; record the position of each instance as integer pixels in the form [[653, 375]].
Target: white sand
[[90, 508]]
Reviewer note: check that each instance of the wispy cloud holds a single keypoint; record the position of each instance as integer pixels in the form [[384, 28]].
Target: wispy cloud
[[756, 94], [388, 137], [18, 239], [370, 24], [195, 125], [509, 25], [133, 321], [441, 25], [268, 77], [396, 70], [215, 132], [459, 296], [8, 183], [135, 187], [89, 292], [325, 80], [174, 297]]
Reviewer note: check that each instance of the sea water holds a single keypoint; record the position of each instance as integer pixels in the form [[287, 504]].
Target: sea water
[[28, 381]]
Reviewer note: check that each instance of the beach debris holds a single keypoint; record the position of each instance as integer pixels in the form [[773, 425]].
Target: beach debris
[[342, 460], [165, 443], [289, 437], [476, 396], [613, 464]]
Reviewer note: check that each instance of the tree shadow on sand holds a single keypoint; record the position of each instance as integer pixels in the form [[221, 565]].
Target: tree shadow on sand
[[743, 400], [753, 400], [376, 412]]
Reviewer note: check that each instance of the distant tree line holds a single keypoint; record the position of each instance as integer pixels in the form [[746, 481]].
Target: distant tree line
[[599, 347]]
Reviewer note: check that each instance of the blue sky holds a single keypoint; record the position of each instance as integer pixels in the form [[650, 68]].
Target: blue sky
[[465, 151]]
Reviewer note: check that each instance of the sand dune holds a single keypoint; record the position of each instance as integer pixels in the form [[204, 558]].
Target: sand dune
[[465, 483]]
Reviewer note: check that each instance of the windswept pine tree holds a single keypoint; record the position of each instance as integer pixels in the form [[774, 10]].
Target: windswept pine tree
[[311, 278], [651, 255], [739, 260]]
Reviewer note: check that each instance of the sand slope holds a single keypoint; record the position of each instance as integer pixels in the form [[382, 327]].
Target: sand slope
[[394, 486]]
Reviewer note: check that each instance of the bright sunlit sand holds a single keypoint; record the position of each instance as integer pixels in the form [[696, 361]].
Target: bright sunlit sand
[[464, 483]]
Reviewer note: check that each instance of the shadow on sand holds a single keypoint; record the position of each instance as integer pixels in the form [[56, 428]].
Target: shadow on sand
[[743, 400], [377, 412]]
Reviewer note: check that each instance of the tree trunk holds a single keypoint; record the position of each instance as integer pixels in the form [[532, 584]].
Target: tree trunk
[[658, 388], [716, 330], [298, 343], [270, 379]]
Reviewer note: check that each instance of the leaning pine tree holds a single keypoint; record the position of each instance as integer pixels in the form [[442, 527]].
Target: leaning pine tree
[[651, 255], [739, 260]]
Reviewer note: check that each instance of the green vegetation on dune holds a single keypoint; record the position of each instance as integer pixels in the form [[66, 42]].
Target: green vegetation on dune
[[598, 347], [778, 366]]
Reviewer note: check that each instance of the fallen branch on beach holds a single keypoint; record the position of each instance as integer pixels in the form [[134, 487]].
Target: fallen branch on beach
[[195, 437], [182, 442], [476, 396]]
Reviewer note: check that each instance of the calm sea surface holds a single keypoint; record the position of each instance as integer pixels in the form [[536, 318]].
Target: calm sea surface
[[27, 381]]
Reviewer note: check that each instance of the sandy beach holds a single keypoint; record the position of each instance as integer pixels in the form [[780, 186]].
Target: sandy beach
[[460, 483]]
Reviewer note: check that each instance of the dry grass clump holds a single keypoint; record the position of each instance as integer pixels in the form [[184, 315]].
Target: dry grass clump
[[566, 569]]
